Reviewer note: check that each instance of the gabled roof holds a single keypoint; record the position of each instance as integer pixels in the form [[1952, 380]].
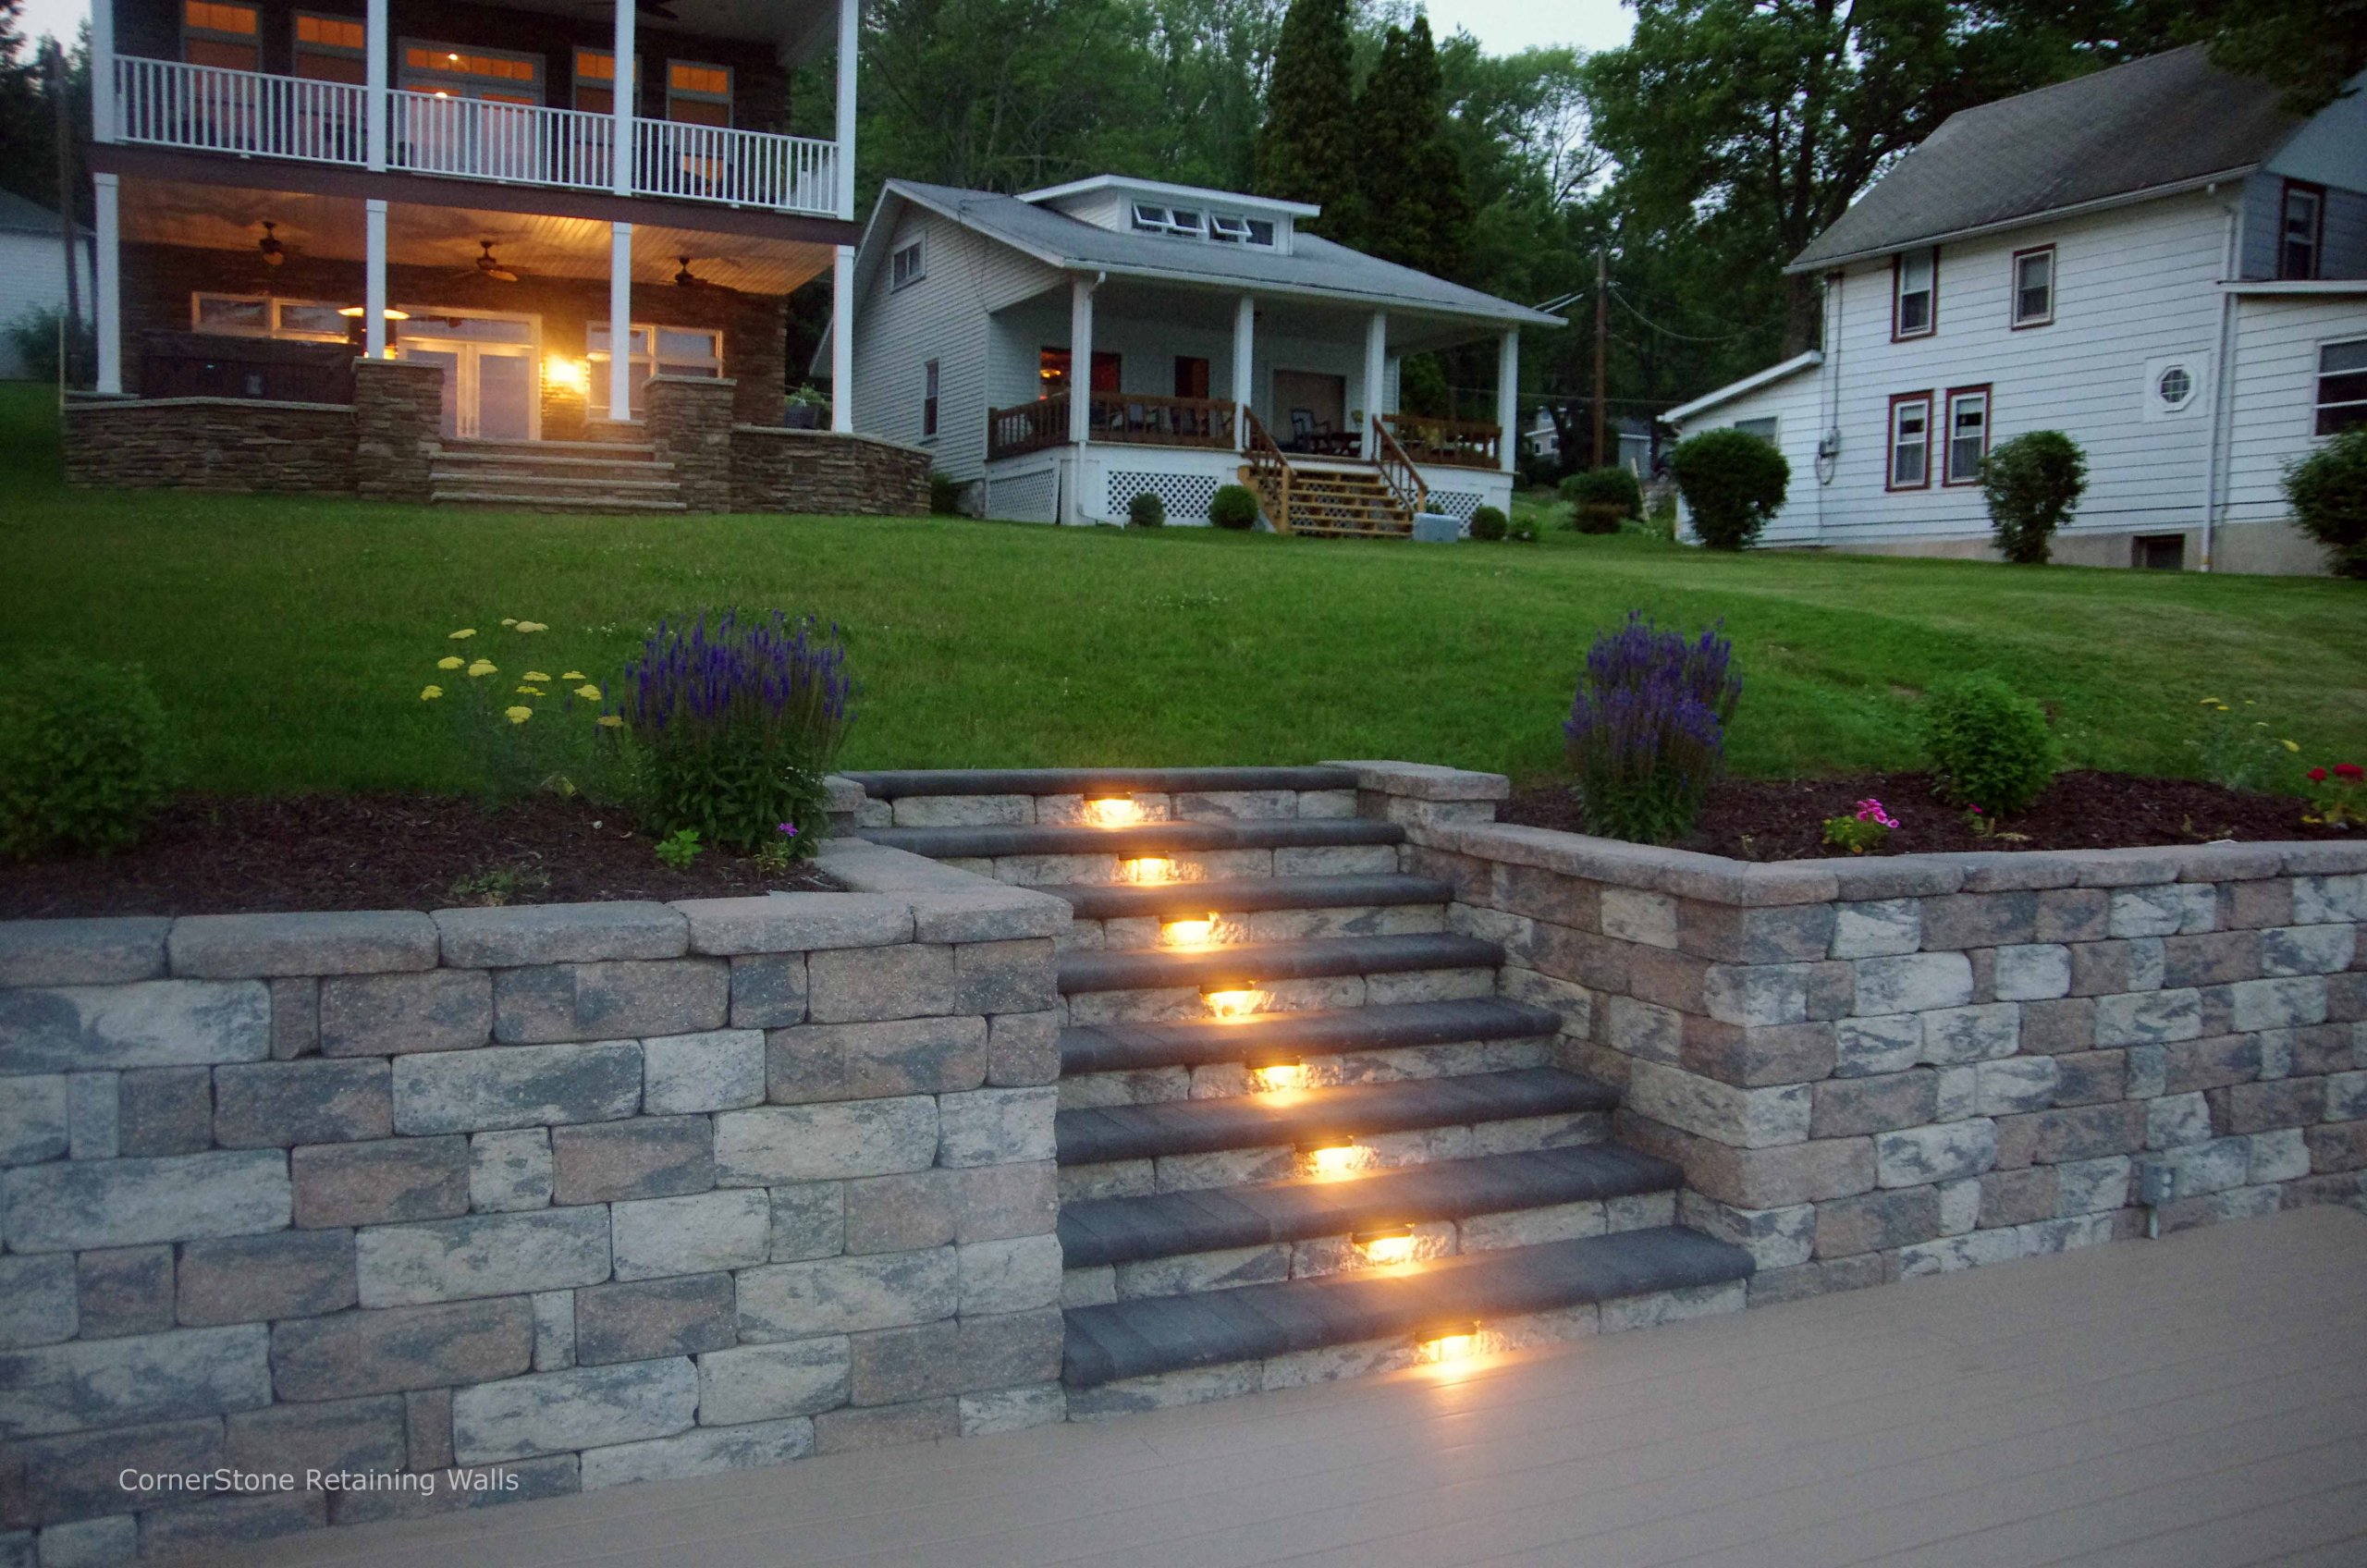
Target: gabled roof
[[1733, 389], [2148, 127], [19, 216], [1313, 269]]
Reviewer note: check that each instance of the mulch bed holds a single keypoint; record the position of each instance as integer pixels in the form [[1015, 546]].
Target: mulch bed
[[1768, 820], [230, 855]]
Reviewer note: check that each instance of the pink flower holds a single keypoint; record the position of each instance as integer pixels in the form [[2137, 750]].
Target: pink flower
[[2317, 776], [2349, 770], [1871, 810], [787, 829]]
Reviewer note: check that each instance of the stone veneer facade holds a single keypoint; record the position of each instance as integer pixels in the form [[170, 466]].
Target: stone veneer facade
[[222, 444], [778, 469], [576, 1195]]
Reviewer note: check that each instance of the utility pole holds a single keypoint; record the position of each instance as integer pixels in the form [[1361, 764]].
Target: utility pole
[[1601, 340], [53, 66]]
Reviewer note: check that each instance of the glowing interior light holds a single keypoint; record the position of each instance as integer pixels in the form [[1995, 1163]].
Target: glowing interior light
[[1150, 870], [1338, 1158], [1231, 999], [1278, 1075], [1392, 1244], [1194, 931], [567, 375], [1112, 811]]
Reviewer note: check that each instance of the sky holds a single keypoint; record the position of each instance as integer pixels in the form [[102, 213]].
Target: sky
[[1501, 26]]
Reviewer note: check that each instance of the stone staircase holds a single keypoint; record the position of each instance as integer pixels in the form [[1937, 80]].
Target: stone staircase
[[554, 476], [1301, 1134]]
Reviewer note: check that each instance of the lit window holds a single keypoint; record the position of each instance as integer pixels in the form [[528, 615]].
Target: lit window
[[2301, 221], [472, 73], [255, 316], [226, 37], [928, 401], [659, 350], [700, 94], [1914, 280], [1967, 435], [2342, 386], [596, 81], [2035, 286], [1910, 441], [904, 267], [331, 49]]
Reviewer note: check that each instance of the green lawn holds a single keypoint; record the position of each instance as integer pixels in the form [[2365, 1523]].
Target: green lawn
[[291, 636]]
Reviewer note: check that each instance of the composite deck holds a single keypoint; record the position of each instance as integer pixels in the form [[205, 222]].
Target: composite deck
[[2200, 1400]]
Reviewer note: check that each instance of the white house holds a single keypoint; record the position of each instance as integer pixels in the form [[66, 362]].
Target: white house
[[1067, 349], [2155, 260], [32, 271]]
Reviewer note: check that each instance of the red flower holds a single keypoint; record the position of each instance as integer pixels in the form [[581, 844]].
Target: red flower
[[2349, 770], [2316, 776]]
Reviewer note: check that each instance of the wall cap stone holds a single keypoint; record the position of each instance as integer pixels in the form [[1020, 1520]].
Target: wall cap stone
[[93, 403], [776, 923], [263, 946], [1426, 781], [786, 432], [515, 937], [83, 950]]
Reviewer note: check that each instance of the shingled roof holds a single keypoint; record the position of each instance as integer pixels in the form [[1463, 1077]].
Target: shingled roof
[[2153, 124]]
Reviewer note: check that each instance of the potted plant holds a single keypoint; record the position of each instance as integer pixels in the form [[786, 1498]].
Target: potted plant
[[808, 408]]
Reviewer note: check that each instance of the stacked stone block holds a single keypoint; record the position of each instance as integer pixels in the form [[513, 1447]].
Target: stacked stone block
[[532, 1200], [1879, 1067]]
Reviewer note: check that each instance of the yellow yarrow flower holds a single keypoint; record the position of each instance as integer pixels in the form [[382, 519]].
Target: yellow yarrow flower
[[429, 694], [588, 692], [2209, 702], [532, 626], [610, 721], [517, 715], [451, 661], [509, 621], [465, 633], [530, 691], [533, 675], [482, 669], [574, 675], [2288, 745]]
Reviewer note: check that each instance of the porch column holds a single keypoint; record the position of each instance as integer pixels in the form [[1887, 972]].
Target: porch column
[[1376, 374], [373, 279], [1508, 400], [628, 89], [1244, 332], [103, 70], [373, 123], [1080, 360], [621, 313], [107, 307], [849, 42], [842, 340]]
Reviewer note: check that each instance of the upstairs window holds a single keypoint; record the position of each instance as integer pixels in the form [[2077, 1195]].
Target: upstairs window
[[1910, 441], [452, 72], [596, 80], [905, 267], [2342, 386], [2301, 225], [1915, 291], [2035, 286], [1967, 435], [226, 37], [700, 94], [331, 48], [1231, 229], [1191, 223]]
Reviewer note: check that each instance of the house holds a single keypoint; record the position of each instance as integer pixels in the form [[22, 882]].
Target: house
[[32, 270], [1630, 433], [2155, 260], [1065, 351], [293, 195]]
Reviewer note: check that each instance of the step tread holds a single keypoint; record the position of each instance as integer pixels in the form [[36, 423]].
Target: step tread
[[1137, 1338], [1106, 1230], [1118, 1047], [896, 783], [1148, 837], [570, 503], [1124, 901], [1088, 1136], [556, 483], [1131, 969], [506, 465], [479, 446]]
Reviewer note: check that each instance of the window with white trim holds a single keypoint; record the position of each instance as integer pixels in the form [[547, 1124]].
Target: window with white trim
[[2342, 386], [1191, 223], [2301, 221], [263, 315], [331, 48], [1910, 442], [2035, 286], [1914, 288], [652, 350], [698, 93], [928, 401], [227, 37], [906, 267], [596, 80], [451, 70], [1967, 435], [1765, 429]]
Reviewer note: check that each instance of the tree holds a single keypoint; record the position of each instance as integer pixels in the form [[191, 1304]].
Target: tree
[[1308, 151], [1416, 209]]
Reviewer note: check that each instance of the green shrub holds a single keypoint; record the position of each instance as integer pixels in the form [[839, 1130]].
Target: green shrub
[[1234, 505], [1147, 510], [1489, 524], [35, 337], [1602, 498], [2327, 491], [81, 757], [944, 493], [2031, 484], [1522, 530], [1733, 484], [1988, 745]]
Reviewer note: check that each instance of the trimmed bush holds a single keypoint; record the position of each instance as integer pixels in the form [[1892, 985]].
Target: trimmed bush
[[1147, 510], [1647, 733], [1733, 484], [1602, 498], [1234, 505], [2327, 491], [81, 757], [2031, 484], [734, 722], [1522, 530], [1988, 745], [944, 493], [1489, 524]]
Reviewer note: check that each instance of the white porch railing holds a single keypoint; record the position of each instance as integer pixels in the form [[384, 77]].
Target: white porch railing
[[168, 103]]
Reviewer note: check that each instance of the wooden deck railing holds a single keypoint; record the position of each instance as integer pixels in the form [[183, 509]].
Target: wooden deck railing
[[1397, 470], [1128, 418], [1266, 471], [1028, 427], [1447, 443]]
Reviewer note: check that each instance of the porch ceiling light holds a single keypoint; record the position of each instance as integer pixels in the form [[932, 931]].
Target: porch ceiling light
[[355, 313]]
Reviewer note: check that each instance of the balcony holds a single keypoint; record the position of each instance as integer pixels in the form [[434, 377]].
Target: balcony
[[251, 114]]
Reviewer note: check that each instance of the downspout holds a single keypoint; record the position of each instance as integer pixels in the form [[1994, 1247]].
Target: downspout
[[2220, 371]]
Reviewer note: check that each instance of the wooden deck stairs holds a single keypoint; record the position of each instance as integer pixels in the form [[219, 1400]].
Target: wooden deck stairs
[[1335, 498]]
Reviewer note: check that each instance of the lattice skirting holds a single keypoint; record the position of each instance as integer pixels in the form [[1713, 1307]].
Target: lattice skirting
[[1026, 498], [1186, 494]]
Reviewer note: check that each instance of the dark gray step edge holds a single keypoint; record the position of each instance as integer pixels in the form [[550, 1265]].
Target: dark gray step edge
[[1095, 1135], [1310, 958], [1122, 1047], [890, 784], [1108, 1231], [1121, 900], [1150, 837], [1139, 1338]]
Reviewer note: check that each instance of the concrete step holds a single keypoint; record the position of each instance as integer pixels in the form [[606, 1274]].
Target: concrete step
[[565, 470], [1160, 984], [1143, 1339], [1037, 855], [509, 499], [655, 486], [472, 445], [1246, 895], [1307, 1036]]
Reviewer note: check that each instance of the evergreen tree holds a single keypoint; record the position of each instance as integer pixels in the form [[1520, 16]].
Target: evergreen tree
[[1308, 149], [1416, 208]]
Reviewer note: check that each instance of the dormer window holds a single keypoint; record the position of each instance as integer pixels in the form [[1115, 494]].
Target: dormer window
[[1231, 229], [1261, 232], [1183, 220], [1190, 223], [1150, 219]]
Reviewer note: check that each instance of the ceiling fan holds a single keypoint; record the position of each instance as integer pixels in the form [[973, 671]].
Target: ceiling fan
[[686, 278], [274, 252], [489, 266]]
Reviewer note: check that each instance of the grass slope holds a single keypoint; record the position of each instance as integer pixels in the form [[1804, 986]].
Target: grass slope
[[291, 635]]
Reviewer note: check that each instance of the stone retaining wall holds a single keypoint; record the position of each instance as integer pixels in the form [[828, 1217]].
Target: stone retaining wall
[[528, 1200], [778, 469], [226, 444], [1896, 1065]]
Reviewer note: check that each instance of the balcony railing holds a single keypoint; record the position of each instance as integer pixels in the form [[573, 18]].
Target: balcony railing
[[1447, 443], [167, 103], [1128, 418]]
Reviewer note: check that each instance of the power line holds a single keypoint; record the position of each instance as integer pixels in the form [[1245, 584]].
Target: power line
[[1672, 332]]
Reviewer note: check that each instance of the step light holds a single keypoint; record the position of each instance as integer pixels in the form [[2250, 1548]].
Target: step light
[[1231, 998], [1112, 811], [1149, 871], [1339, 1156], [1278, 1073], [1448, 1343], [1385, 1245], [1192, 931]]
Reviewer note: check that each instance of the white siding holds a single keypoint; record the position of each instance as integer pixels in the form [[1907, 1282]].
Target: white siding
[[2276, 394], [32, 277]]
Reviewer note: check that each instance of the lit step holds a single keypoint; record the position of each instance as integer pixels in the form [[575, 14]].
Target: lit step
[[1246, 895], [896, 783], [1143, 839], [1315, 958], [1125, 1047]]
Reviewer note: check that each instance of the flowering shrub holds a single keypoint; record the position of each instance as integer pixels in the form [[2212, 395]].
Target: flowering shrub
[[2337, 798], [734, 722], [525, 729], [1870, 828], [2237, 751], [1988, 746], [1646, 731], [83, 761]]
